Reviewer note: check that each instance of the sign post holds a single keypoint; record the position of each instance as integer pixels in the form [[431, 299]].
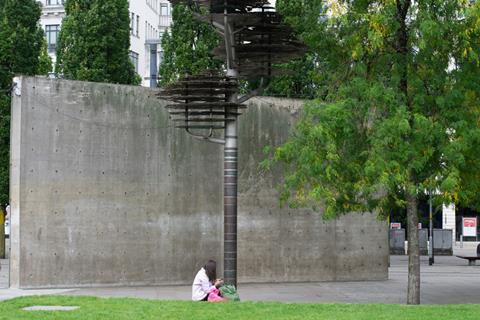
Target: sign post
[[431, 258]]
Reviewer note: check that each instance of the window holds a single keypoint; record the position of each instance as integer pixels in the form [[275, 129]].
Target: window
[[138, 26], [51, 32], [132, 23], [160, 57], [134, 59], [164, 9], [54, 2]]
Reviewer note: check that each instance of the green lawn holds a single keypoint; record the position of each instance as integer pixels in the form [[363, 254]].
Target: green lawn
[[130, 309]]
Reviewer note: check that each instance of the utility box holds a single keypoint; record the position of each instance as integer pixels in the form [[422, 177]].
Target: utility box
[[397, 241], [442, 242], [423, 241]]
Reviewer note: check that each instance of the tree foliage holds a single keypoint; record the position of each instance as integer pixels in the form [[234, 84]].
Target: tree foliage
[[22, 51], [187, 46], [300, 79], [432, 131], [94, 42], [45, 65], [398, 112]]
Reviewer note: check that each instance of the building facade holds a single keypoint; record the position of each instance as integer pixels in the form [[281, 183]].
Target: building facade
[[149, 19]]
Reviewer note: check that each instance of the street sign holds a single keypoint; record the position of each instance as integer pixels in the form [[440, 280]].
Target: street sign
[[469, 227], [395, 225]]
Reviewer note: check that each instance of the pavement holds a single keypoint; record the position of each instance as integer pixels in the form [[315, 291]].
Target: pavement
[[449, 281]]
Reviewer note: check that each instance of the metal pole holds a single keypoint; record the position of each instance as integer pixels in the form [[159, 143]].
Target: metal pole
[[230, 181], [230, 169], [230, 202], [431, 258]]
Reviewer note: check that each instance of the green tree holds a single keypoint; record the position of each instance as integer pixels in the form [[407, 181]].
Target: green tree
[[300, 79], [398, 113], [187, 46], [94, 42], [44, 61], [21, 41]]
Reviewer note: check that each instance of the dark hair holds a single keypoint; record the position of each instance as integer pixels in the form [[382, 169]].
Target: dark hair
[[211, 270]]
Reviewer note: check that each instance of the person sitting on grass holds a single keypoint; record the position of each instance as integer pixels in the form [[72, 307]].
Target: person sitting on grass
[[205, 281]]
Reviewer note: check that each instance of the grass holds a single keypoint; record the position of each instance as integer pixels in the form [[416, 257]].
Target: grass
[[131, 309]]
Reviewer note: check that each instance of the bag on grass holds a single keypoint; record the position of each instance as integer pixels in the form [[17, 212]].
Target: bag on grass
[[229, 292], [214, 296]]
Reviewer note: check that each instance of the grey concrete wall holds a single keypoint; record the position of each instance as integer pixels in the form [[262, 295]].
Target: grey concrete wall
[[105, 192]]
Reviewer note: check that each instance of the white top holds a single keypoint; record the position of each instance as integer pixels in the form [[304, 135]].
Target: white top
[[201, 286]]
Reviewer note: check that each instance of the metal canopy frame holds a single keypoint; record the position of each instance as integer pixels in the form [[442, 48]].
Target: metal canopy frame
[[254, 42]]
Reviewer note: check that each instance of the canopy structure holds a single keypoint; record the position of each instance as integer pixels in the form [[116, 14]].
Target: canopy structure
[[259, 43], [200, 102], [255, 42]]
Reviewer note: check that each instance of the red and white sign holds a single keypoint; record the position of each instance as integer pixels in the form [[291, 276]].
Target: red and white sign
[[470, 227], [395, 225]]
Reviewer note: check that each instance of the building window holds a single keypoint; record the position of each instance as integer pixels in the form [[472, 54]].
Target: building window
[[54, 2], [51, 32], [134, 59], [132, 23], [138, 26], [164, 9], [160, 57]]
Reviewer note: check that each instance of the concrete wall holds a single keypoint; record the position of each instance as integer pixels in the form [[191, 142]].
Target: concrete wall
[[105, 192]]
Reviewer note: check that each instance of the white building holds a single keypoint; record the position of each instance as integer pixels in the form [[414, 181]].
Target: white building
[[148, 20]]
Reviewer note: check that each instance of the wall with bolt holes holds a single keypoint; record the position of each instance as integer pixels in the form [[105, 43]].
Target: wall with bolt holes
[[105, 192]]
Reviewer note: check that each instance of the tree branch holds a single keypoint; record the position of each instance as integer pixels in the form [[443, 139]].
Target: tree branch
[[253, 93], [220, 29]]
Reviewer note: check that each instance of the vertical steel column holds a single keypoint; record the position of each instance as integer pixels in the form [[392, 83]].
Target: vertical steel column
[[230, 168], [230, 201]]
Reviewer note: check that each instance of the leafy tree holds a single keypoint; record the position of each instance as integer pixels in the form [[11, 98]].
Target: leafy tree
[[187, 46], [298, 81], [398, 111], [94, 42], [44, 61], [21, 41]]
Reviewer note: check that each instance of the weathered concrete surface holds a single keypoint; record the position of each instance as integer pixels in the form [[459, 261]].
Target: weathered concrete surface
[[105, 192]]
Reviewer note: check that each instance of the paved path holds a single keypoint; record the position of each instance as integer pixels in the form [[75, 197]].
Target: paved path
[[449, 280]]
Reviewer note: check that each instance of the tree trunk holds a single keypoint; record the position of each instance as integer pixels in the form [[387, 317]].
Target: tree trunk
[[413, 293], [402, 48]]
